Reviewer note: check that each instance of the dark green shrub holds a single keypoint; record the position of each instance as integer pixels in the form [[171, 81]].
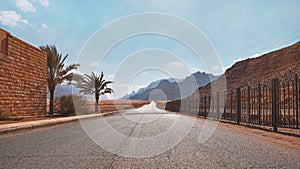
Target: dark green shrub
[[83, 106], [65, 105]]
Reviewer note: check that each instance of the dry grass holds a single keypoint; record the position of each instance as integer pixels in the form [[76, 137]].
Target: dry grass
[[113, 105], [104, 106], [119, 105]]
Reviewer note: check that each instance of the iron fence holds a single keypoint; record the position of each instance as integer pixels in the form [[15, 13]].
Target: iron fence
[[274, 103]]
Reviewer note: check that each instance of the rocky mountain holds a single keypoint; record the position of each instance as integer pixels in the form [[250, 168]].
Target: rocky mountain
[[65, 89], [170, 89], [282, 64], [152, 85], [60, 90]]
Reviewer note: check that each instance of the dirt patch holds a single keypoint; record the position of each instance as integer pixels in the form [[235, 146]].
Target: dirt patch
[[271, 137], [282, 139]]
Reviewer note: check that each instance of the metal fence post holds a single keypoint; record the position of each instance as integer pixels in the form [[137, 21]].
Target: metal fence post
[[259, 104], [225, 105], [231, 107], [275, 104], [218, 106], [238, 105], [199, 108], [205, 114], [191, 106], [297, 101], [212, 106], [249, 104]]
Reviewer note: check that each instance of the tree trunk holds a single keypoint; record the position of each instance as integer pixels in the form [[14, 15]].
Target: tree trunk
[[96, 104], [51, 101]]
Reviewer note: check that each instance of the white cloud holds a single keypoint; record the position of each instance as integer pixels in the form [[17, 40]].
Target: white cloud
[[166, 4], [93, 64], [76, 71], [193, 69], [134, 88], [110, 76], [45, 26], [11, 18], [177, 64], [218, 69], [144, 73], [25, 5], [121, 89], [44, 3]]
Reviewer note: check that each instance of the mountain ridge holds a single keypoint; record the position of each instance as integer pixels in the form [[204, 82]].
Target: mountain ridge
[[174, 88]]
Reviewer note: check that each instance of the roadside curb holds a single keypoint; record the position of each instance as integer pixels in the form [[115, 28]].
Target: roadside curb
[[40, 123]]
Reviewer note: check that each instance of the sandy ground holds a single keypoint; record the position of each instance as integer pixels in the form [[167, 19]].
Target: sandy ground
[[104, 107]]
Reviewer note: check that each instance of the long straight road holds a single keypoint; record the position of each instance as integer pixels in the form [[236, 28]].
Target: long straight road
[[93, 144]]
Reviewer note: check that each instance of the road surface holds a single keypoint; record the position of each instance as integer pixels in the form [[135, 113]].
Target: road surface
[[73, 146]]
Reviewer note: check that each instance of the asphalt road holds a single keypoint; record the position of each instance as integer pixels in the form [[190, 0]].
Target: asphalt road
[[147, 144]]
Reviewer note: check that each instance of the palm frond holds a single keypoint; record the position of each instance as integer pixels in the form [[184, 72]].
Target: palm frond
[[57, 72], [93, 84]]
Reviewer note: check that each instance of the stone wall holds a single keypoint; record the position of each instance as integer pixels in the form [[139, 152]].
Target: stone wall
[[23, 71]]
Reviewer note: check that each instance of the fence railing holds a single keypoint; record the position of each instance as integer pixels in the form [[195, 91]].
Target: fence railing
[[275, 103]]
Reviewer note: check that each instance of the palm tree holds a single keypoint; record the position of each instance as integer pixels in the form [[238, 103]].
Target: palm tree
[[57, 72], [94, 84]]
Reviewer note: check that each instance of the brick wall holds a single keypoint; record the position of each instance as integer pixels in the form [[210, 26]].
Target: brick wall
[[23, 70]]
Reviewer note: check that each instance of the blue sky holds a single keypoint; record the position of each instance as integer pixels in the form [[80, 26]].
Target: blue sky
[[236, 29]]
